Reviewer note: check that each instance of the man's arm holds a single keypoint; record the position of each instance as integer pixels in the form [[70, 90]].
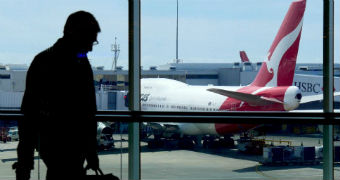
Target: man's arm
[[92, 156], [27, 127]]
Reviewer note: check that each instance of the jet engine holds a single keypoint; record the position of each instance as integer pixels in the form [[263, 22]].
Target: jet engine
[[104, 136], [292, 98]]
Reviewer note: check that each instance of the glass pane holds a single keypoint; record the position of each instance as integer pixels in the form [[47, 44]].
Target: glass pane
[[336, 60], [232, 56], [268, 151], [8, 144], [23, 37], [30, 27], [112, 149], [223, 47]]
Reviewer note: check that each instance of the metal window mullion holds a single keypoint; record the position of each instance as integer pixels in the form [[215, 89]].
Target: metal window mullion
[[134, 88], [328, 73]]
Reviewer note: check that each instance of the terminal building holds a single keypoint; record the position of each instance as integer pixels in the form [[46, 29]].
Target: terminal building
[[112, 85], [218, 74]]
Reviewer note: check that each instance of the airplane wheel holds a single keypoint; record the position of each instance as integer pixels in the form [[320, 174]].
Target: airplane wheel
[[101, 148], [205, 144], [155, 144], [229, 142], [186, 144]]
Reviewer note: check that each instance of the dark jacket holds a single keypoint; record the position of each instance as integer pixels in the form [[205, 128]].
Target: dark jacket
[[59, 106]]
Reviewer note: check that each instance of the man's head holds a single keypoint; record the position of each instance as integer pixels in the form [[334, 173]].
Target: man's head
[[81, 28]]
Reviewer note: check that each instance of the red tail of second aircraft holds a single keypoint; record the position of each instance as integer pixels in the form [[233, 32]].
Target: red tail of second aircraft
[[279, 67], [244, 57]]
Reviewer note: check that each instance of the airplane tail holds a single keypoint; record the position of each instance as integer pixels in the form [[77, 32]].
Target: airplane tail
[[278, 69], [244, 57]]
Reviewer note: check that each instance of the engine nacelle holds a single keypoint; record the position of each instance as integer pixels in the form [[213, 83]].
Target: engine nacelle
[[292, 98], [104, 136], [103, 129]]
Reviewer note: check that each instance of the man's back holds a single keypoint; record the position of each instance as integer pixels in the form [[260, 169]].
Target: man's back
[[60, 91]]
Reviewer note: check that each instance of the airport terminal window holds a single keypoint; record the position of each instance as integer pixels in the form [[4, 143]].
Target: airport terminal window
[[209, 42], [201, 46]]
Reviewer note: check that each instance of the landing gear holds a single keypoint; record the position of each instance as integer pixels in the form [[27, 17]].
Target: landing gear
[[186, 143], [190, 142], [172, 143], [218, 142], [155, 143], [249, 145]]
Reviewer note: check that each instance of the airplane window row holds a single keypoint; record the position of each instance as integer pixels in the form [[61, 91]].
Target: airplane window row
[[178, 107], [202, 109], [153, 105]]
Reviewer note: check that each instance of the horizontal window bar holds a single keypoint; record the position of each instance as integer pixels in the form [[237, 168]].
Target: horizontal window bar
[[206, 117]]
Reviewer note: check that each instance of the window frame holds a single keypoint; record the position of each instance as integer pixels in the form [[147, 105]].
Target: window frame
[[135, 116]]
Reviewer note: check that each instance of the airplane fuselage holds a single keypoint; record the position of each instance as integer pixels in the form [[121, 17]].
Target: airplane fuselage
[[159, 94]]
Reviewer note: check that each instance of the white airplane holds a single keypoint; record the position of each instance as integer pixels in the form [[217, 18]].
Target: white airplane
[[271, 90]]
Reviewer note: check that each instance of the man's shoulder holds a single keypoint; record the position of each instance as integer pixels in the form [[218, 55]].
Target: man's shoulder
[[43, 56], [42, 60], [46, 53]]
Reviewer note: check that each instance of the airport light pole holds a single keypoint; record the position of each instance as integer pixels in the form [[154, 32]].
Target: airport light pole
[[116, 50], [328, 83]]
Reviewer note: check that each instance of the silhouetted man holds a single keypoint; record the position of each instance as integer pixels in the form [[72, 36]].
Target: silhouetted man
[[59, 105]]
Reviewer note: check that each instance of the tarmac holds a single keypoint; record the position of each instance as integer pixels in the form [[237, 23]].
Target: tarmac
[[198, 163]]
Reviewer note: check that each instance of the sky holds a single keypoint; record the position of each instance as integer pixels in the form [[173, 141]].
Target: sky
[[209, 30]]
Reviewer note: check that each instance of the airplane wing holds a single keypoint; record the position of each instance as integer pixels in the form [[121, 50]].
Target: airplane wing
[[319, 97], [251, 99]]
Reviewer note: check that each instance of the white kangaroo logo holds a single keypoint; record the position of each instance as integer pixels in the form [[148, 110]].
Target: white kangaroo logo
[[274, 62]]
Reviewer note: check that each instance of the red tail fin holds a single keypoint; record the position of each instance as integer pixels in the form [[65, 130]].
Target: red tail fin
[[278, 69], [244, 57]]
